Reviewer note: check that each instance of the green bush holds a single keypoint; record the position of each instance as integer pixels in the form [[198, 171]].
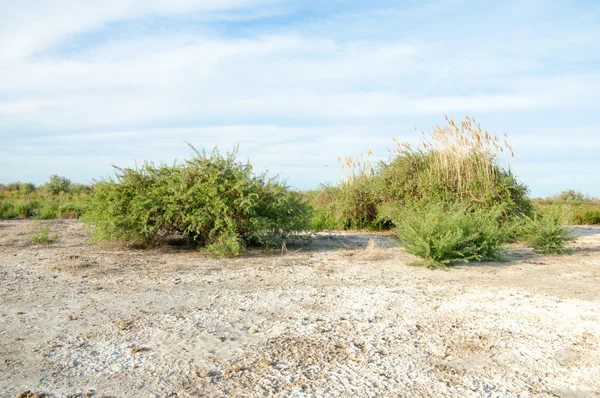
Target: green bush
[[452, 164], [570, 195], [49, 211], [13, 186], [444, 234], [25, 187], [350, 205], [79, 189], [41, 234], [548, 236], [545, 232], [442, 173], [57, 184], [588, 215], [69, 210], [212, 200], [8, 209], [24, 201]]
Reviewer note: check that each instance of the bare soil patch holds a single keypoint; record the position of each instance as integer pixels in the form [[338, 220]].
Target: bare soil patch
[[339, 317]]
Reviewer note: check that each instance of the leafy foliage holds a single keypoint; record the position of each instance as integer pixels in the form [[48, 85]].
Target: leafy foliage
[[346, 206], [18, 204], [577, 208], [587, 215], [41, 234], [546, 232], [570, 195], [445, 234], [57, 184], [212, 200], [24, 187], [455, 163]]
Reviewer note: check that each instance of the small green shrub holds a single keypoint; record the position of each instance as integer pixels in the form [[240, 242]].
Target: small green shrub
[[545, 232], [57, 184], [212, 200], [8, 209], [49, 211], [41, 234], [444, 234]]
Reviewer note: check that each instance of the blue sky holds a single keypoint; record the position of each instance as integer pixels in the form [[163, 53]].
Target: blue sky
[[84, 84]]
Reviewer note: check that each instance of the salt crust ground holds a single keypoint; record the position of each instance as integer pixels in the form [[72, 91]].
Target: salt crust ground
[[331, 319]]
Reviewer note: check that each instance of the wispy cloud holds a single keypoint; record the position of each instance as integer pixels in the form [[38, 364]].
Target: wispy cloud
[[294, 83]]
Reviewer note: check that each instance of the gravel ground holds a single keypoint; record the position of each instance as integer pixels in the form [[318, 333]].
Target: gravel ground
[[331, 319]]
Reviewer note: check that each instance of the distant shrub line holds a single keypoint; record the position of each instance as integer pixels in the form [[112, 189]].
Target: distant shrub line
[[58, 198]]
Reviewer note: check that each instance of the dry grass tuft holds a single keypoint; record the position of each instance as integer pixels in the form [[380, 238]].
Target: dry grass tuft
[[74, 262], [372, 252], [232, 369], [124, 325], [463, 157]]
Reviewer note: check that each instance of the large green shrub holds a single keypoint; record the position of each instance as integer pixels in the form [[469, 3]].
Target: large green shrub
[[453, 163], [445, 234], [443, 171], [211, 199]]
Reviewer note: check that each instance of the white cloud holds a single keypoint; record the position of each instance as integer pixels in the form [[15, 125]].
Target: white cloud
[[295, 96], [29, 26]]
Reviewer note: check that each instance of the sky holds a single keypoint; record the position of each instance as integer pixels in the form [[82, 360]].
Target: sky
[[87, 84]]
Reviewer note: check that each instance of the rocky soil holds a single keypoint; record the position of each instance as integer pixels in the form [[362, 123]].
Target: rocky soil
[[336, 318]]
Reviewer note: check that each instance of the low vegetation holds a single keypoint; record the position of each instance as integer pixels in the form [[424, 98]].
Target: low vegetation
[[41, 234], [451, 199], [577, 208], [547, 235], [58, 198], [587, 215]]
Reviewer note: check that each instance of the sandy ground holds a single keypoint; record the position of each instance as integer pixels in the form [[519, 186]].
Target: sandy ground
[[331, 319]]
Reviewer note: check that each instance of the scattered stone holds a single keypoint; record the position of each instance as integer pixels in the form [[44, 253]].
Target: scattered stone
[[137, 349], [29, 394]]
